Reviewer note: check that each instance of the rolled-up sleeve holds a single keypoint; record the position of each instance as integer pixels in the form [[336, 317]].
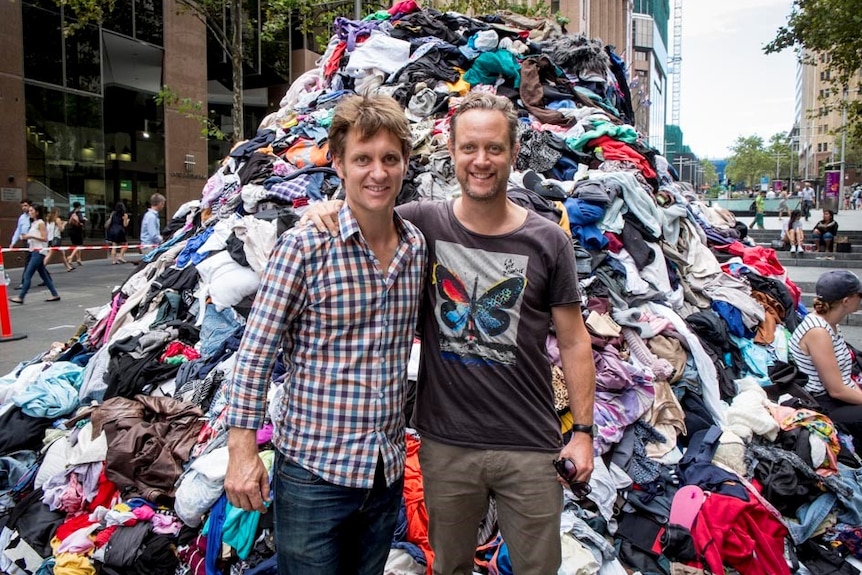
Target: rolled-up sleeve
[[279, 300]]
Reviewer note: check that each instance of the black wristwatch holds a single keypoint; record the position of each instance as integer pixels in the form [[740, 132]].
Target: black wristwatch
[[588, 429]]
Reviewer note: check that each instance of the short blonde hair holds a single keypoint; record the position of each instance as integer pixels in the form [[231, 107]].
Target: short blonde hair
[[368, 115], [486, 101]]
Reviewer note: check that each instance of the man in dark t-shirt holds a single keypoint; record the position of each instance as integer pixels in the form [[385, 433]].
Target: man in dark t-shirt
[[499, 277]]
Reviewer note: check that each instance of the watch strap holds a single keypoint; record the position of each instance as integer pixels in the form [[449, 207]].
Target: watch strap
[[581, 428]]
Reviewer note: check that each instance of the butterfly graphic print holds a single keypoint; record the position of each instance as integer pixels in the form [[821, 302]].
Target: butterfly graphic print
[[477, 305]]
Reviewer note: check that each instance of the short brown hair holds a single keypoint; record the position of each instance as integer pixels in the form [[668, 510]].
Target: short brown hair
[[157, 199], [486, 101], [368, 115]]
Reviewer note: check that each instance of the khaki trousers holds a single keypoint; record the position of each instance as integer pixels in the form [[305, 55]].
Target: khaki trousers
[[458, 482]]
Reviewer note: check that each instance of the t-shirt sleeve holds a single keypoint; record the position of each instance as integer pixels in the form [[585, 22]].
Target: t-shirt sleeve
[[409, 211], [564, 275]]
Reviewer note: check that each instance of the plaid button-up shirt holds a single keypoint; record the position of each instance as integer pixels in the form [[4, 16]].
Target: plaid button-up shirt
[[346, 329]]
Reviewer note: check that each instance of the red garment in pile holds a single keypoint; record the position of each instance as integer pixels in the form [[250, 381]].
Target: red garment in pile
[[764, 261], [741, 534], [414, 502], [617, 150]]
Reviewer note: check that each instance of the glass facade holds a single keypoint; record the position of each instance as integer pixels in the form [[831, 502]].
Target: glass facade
[[93, 134], [64, 134]]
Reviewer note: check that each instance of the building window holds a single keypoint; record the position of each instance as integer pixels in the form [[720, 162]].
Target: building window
[[84, 60], [65, 147], [141, 19], [149, 23], [43, 52]]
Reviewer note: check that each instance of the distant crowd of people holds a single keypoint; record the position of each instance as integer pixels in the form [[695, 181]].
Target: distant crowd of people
[[43, 231]]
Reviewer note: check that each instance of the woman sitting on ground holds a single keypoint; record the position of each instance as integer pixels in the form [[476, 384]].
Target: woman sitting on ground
[[825, 231], [794, 234], [820, 352]]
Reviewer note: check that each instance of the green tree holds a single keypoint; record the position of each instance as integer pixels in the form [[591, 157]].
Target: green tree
[[710, 176], [749, 161], [828, 31]]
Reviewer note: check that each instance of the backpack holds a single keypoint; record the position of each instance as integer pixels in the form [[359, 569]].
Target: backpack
[[753, 206]]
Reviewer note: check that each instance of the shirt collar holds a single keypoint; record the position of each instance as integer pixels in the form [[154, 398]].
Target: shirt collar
[[348, 226]]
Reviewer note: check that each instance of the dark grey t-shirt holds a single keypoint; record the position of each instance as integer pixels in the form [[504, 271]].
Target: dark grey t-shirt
[[484, 378]]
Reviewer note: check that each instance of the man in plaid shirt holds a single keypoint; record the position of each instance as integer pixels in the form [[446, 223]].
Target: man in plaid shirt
[[344, 308]]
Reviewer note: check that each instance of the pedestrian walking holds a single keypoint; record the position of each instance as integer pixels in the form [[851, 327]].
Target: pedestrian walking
[[55, 226], [151, 235], [782, 205], [37, 241], [759, 209], [807, 195], [76, 224], [116, 233]]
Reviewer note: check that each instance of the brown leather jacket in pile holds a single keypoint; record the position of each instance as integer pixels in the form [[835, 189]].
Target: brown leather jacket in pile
[[149, 439]]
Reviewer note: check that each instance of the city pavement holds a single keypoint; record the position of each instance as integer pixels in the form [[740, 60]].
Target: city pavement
[[90, 286], [44, 323]]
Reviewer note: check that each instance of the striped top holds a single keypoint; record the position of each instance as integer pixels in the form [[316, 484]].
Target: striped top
[[803, 360], [346, 329]]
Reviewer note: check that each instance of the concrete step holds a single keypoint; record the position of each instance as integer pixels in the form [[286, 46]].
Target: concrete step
[[852, 259], [789, 262], [854, 319], [854, 249], [855, 237]]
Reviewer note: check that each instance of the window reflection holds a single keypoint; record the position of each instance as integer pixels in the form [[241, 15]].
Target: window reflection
[[83, 60], [149, 24], [64, 148], [43, 52]]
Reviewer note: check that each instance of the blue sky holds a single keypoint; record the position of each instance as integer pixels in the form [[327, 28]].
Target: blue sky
[[729, 86]]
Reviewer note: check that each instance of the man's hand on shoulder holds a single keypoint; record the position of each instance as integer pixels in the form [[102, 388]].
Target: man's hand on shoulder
[[323, 216]]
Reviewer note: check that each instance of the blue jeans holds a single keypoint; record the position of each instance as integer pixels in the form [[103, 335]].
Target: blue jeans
[[36, 263], [327, 529]]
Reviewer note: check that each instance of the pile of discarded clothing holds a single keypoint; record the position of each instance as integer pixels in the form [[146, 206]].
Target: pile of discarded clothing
[[113, 446]]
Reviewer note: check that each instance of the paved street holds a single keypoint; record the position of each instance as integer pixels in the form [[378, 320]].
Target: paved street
[[44, 323], [91, 285]]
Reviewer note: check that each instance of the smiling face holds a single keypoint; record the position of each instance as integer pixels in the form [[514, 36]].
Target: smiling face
[[371, 171], [482, 154]]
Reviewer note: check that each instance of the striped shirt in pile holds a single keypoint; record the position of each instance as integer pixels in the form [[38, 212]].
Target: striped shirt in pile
[[803, 360], [346, 331]]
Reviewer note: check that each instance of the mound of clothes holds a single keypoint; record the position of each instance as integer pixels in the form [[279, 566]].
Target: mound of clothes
[[708, 459]]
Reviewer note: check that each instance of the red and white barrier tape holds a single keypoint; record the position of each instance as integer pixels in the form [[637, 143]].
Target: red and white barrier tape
[[80, 248]]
